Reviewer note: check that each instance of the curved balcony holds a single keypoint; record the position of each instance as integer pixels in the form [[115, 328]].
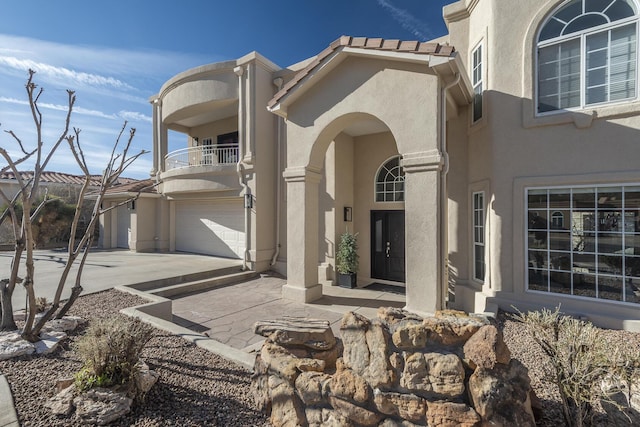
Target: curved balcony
[[200, 95], [202, 169]]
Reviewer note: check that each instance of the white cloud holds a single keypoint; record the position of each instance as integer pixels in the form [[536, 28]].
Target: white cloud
[[408, 21], [73, 77], [135, 116]]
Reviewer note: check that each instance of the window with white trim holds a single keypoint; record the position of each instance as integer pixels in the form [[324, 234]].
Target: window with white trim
[[478, 236], [596, 251], [390, 181], [476, 80], [587, 55]]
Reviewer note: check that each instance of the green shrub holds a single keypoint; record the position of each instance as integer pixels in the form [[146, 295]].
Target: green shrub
[[347, 255], [109, 351]]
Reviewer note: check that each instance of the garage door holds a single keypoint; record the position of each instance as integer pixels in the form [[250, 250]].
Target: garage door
[[212, 228], [124, 227]]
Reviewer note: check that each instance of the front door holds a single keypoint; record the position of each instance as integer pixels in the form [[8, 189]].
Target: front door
[[387, 245]]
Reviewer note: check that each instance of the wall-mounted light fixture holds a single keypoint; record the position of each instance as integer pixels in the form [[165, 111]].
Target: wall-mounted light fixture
[[248, 201], [348, 214], [195, 138]]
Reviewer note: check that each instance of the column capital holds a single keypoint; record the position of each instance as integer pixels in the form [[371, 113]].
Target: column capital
[[431, 160], [302, 174]]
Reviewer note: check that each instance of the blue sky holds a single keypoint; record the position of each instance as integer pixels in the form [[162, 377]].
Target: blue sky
[[116, 54]]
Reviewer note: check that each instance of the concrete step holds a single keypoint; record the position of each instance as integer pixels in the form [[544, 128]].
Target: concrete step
[[184, 278], [172, 291]]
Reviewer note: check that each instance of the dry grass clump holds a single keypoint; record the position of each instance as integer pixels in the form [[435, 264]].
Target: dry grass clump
[[110, 350]]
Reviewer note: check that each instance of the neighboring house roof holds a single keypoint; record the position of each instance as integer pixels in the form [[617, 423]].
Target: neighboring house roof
[[366, 43], [142, 186], [61, 178]]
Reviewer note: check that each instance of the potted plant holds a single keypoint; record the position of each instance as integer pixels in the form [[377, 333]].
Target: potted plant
[[347, 260]]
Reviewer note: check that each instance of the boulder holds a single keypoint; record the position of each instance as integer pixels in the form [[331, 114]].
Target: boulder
[[312, 387], [12, 345], [501, 395], [66, 324], [49, 342], [410, 337], [144, 377], [452, 327], [280, 361], [450, 414], [433, 375], [486, 348], [347, 385], [379, 372], [286, 408], [62, 403], [394, 318], [355, 413], [406, 406], [392, 422], [100, 406], [289, 331], [353, 330], [324, 417]]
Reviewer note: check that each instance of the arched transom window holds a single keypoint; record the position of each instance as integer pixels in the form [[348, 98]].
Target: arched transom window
[[390, 181], [587, 54]]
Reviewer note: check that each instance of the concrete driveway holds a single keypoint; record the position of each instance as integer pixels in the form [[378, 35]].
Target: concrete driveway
[[105, 269]]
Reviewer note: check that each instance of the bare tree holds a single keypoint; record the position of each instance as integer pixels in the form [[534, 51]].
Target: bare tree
[[118, 163], [23, 230]]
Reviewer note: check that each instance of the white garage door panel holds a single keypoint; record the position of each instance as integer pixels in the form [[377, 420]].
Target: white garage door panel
[[124, 227], [213, 228]]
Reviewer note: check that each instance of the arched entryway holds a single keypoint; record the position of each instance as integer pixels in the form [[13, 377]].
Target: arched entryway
[[336, 108]]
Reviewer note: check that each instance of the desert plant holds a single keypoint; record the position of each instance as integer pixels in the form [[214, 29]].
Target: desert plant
[[580, 361], [347, 254], [110, 350]]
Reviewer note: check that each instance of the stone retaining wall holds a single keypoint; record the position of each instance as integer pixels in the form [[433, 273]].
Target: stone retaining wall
[[399, 369]]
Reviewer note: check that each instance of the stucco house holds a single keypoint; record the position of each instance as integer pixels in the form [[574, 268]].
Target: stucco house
[[496, 166]]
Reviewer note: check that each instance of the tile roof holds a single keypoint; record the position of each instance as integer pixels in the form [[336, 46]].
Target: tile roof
[[64, 178], [420, 48], [142, 186]]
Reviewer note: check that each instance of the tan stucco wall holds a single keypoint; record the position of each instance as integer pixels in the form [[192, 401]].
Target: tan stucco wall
[[512, 148], [213, 129]]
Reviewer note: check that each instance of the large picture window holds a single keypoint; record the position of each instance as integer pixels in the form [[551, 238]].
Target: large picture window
[[594, 251], [390, 181], [587, 54]]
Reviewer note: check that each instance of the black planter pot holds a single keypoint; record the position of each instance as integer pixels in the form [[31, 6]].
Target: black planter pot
[[348, 280]]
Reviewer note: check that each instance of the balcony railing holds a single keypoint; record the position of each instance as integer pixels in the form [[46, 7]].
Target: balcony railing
[[205, 155]]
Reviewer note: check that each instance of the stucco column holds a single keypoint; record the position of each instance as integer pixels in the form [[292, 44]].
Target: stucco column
[[155, 110], [302, 235], [422, 221]]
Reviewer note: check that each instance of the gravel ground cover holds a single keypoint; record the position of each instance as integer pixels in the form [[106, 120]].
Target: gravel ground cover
[[198, 388]]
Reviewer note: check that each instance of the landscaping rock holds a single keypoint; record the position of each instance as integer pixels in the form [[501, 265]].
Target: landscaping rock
[[48, 342], [451, 414], [286, 407], [355, 413], [66, 324], [353, 330], [62, 403], [501, 395], [407, 406], [486, 348], [347, 385], [12, 345], [312, 387], [433, 375], [144, 377], [101, 406], [295, 331]]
